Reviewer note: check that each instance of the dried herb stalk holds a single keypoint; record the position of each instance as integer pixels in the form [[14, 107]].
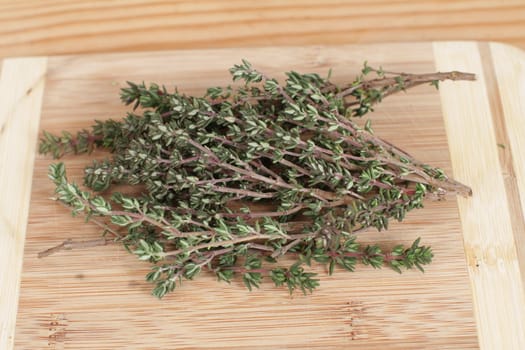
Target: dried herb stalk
[[231, 181]]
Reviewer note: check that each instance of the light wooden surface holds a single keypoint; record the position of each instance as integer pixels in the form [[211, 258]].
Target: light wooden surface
[[97, 299], [21, 90], [490, 242], [49, 27], [509, 68]]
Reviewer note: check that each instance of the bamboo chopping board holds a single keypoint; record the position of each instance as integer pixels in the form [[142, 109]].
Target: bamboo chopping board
[[470, 297]]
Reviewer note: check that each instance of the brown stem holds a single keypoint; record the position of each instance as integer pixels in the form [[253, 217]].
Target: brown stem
[[261, 247], [242, 269], [219, 244], [387, 257], [235, 241], [317, 193], [141, 217], [260, 165], [448, 184], [216, 181], [98, 223], [286, 248], [263, 214], [409, 80], [145, 218], [69, 244], [242, 192]]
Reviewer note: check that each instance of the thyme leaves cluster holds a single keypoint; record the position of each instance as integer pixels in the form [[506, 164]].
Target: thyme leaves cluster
[[231, 181]]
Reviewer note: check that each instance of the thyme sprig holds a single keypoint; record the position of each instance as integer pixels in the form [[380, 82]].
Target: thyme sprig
[[231, 181]]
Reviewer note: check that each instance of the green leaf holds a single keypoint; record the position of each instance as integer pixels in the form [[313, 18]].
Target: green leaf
[[331, 267], [366, 69], [121, 220], [368, 126], [191, 270]]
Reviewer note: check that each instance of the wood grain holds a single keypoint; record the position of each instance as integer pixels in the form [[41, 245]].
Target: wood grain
[[509, 68], [21, 91], [36, 27], [87, 299], [490, 244]]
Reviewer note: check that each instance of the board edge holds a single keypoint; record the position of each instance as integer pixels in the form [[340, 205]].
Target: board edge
[[22, 83]]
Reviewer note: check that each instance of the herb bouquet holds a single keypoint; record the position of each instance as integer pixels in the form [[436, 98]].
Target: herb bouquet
[[234, 180]]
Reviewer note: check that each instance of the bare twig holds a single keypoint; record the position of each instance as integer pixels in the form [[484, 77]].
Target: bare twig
[[69, 244]]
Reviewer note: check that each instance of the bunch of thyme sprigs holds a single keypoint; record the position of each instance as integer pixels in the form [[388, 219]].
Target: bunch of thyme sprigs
[[231, 181]]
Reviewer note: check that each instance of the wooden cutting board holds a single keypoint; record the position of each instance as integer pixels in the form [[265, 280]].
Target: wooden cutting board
[[471, 297]]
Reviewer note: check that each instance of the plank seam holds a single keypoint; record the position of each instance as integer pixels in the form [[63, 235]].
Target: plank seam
[[505, 152]]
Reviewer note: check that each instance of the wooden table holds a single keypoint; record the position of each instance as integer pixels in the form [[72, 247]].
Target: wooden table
[[38, 27], [35, 27]]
